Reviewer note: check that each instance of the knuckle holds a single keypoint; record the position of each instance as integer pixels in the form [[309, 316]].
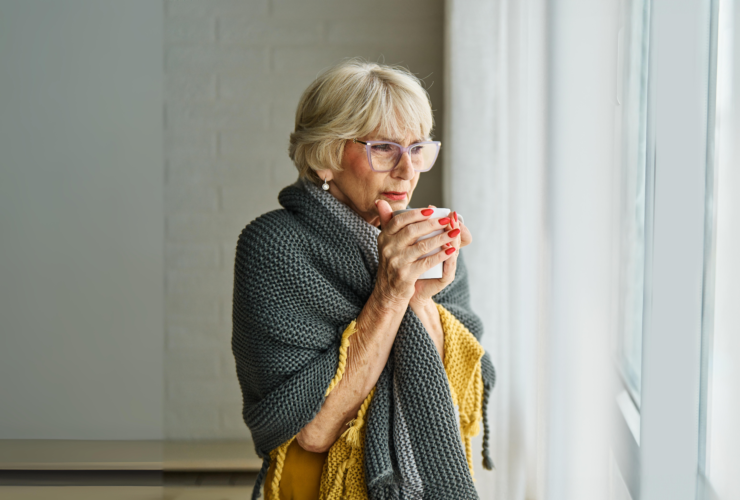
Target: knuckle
[[427, 263], [403, 275], [424, 245], [395, 264], [407, 232]]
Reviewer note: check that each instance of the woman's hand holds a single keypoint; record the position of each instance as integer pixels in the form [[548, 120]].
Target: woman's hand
[[399, 251], [465, 237], [424, 290]]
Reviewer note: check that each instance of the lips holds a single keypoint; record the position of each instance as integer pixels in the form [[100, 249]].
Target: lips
[[395, 195]]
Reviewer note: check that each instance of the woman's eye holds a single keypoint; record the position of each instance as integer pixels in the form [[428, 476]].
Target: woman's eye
[[381, 147], [416, 150]]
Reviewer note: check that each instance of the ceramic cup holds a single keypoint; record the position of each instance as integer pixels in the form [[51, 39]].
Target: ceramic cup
[[436, 271]]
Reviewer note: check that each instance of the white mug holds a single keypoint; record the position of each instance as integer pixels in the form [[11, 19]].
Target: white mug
[[436, 271]]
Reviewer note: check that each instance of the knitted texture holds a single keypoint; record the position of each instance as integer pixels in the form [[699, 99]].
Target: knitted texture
[[344, 473], [278, 457], [345, 457], [343, 351], [302, 274], [463, 354]]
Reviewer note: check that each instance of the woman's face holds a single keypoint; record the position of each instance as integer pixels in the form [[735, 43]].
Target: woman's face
[[358, 185]]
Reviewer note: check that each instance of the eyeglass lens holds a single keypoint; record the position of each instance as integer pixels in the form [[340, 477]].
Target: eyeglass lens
[[385, 157]]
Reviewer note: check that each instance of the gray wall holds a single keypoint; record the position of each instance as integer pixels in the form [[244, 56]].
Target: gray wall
[[234, 73], [99, 321], [81, 219]]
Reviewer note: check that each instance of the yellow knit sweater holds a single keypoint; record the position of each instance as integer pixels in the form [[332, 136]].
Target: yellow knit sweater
[[343, 473]]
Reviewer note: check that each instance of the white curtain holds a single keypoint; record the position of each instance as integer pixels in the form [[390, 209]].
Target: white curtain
[[530, 95], [494, 148]]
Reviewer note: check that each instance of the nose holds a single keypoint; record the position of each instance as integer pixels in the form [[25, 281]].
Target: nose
[[405, 169]]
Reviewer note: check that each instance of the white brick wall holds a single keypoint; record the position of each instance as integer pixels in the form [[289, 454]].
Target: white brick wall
[[234, 71]]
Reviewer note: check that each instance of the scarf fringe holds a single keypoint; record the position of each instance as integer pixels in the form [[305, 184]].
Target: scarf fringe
[[487, 462], [352, 435], [261, 477], [388, 480], [343, 348]]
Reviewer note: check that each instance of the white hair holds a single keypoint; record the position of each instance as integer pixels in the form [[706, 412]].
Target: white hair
[[351, 100]]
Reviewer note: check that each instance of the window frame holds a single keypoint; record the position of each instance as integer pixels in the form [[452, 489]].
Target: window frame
[[672, 338]]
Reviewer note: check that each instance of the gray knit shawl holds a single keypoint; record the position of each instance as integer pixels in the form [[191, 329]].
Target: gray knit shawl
[[301, 275]]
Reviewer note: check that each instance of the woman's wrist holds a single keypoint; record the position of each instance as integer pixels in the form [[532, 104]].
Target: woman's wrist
[[387, 299], [427, 312], [422, 304]]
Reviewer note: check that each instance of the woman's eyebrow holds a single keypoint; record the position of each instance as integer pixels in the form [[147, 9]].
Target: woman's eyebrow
[[398, 141]]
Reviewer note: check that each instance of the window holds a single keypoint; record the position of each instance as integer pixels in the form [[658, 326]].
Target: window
[[632, 97]]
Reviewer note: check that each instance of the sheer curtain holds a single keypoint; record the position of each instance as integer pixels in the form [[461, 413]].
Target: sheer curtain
[[530, 98], [495, 155]]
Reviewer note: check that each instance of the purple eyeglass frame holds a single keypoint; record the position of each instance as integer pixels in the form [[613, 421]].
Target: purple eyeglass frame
[[404, 150]]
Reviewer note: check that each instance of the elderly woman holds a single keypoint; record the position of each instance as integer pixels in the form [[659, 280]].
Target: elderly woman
[[359, 379]]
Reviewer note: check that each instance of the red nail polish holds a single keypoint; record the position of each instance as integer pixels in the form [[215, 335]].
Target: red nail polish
[[454, 214], [453, 233], [427, 212], [450, 251], [444, 221]]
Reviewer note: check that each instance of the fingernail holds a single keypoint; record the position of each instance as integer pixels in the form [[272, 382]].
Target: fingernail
[[453, 233], [448, 244], [454, 214], [444, 221], [450, 251], [427, 212]]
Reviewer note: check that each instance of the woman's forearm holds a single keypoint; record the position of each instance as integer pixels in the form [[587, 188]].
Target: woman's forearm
[[369, 348]]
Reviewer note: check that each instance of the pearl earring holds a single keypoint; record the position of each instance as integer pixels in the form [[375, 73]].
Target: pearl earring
[[325, 186]]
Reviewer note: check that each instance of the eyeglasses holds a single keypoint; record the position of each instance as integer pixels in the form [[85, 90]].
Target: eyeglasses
[[384, 156]]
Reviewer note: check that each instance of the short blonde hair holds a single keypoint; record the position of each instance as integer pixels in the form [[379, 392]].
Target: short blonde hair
[[351, 100]]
